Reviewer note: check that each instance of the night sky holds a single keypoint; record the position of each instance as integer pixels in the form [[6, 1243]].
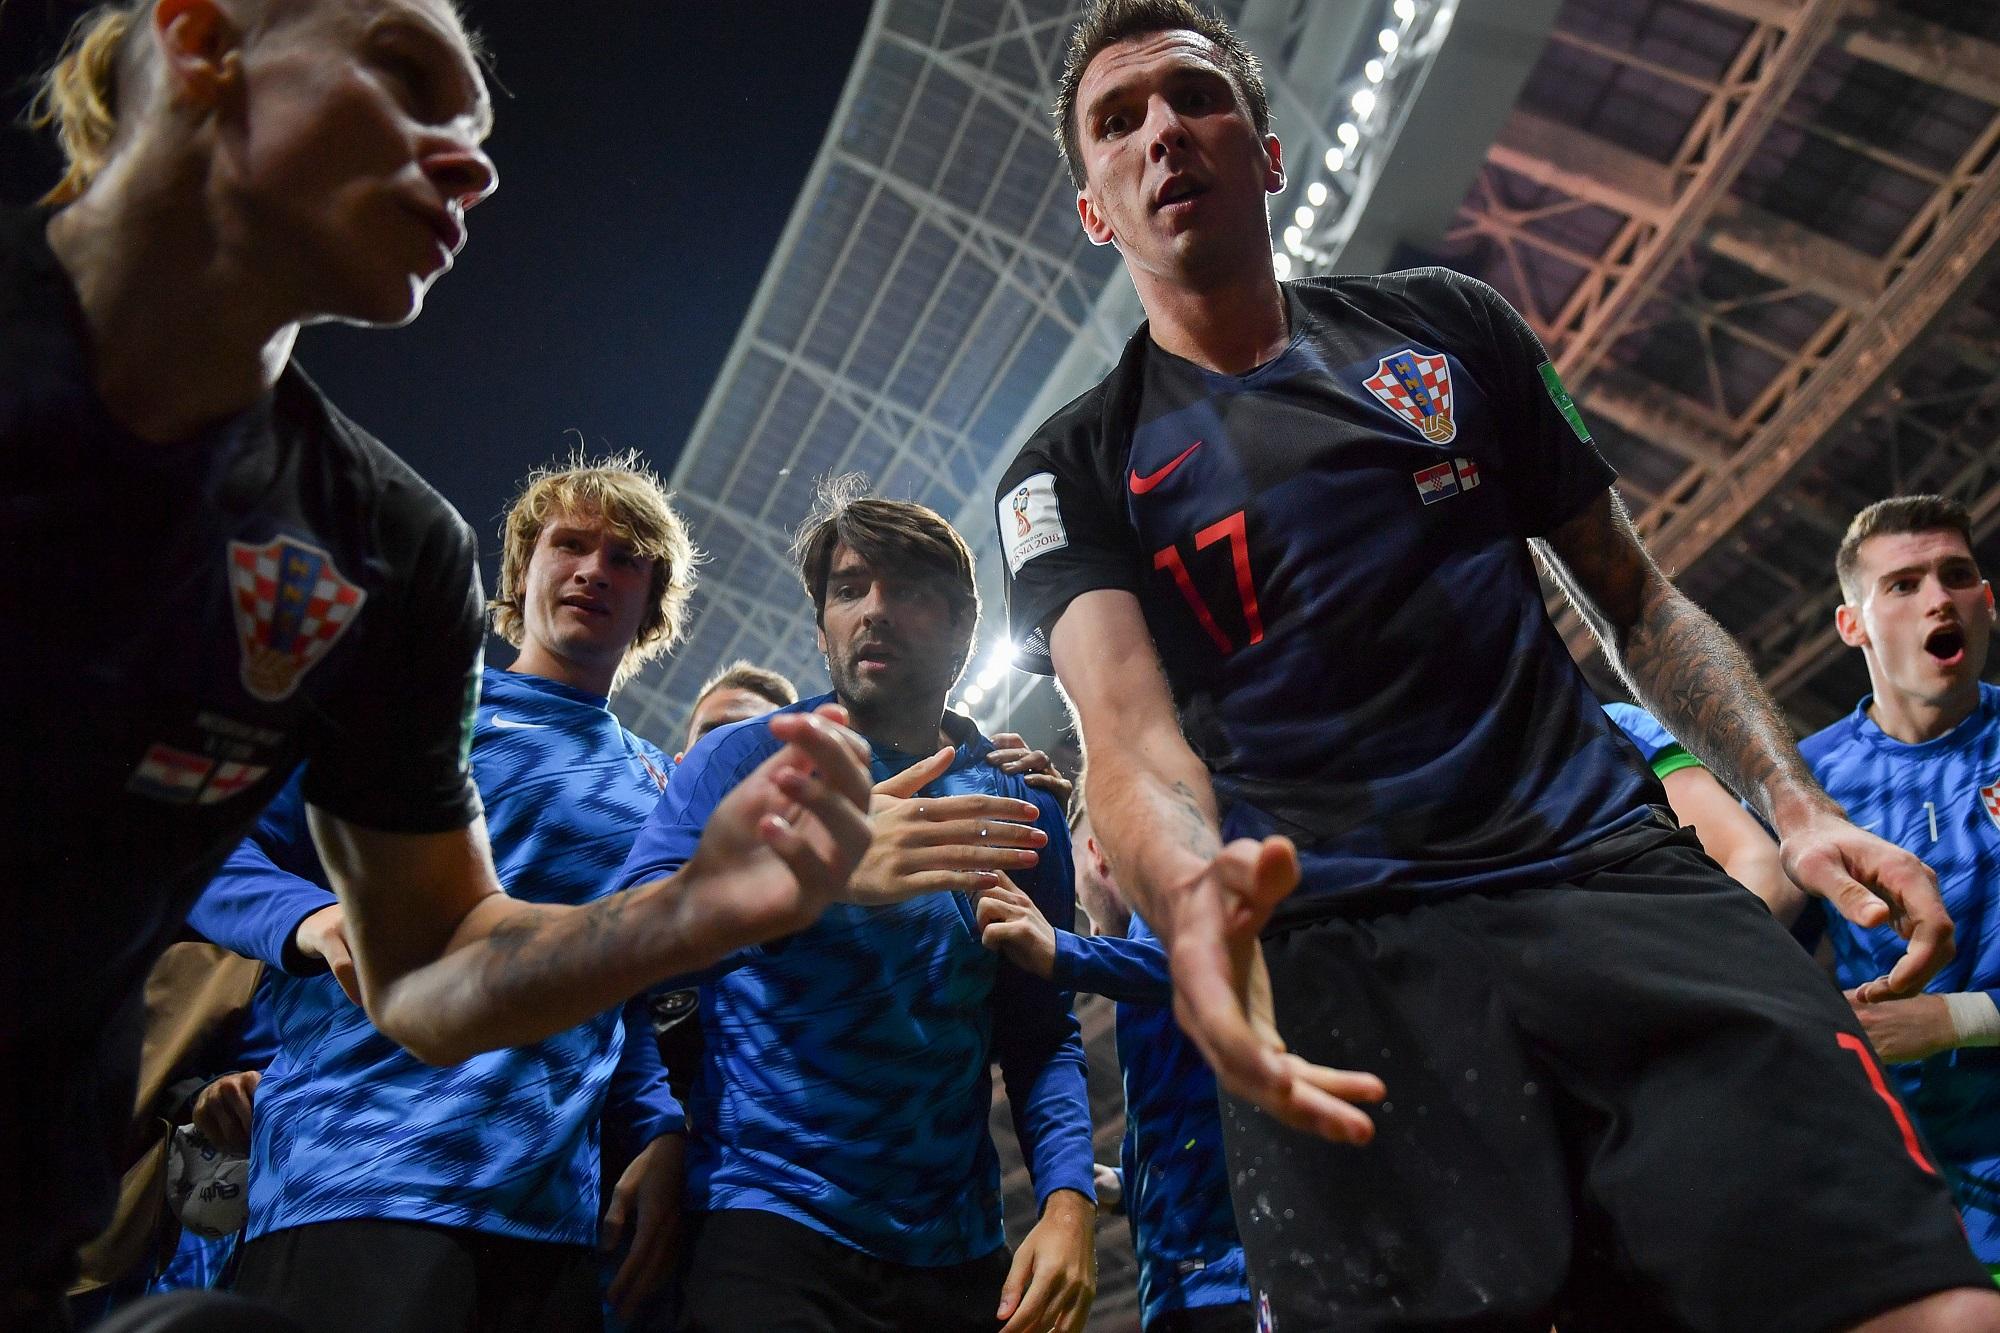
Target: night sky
[[649, 154]]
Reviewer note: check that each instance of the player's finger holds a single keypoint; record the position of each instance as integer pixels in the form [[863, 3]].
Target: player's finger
[[1018, 1274], [1931, 941], [1851, 898], [840, 820], [1032, 1314], [959, 809], [1051, 782], [815, 740], [917, 776], [977, 833], [616, 1214]]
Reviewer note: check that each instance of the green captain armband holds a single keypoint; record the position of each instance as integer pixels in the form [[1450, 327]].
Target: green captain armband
[[1672, 760]]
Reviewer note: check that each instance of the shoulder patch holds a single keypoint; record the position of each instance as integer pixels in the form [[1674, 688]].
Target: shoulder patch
[[1031, 521], [1564, 403]]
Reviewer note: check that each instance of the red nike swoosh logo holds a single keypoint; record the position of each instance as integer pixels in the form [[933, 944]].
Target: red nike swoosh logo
[[1140, 485]]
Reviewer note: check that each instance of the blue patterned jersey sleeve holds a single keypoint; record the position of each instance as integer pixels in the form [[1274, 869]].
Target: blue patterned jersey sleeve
[[639, 1107], [1039, 1043], [1128, 971], [269, 884]]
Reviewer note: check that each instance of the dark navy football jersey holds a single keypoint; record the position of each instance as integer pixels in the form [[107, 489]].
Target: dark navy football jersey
[[1332, 556], [185, 624]]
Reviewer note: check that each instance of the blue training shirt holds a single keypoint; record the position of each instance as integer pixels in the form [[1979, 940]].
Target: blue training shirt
[[1940, 800], [846, 1082], [1331, 552], [350, 1125], [1176, 1178]]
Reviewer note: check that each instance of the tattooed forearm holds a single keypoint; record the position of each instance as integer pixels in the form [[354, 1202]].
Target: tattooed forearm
[[1679, 663]]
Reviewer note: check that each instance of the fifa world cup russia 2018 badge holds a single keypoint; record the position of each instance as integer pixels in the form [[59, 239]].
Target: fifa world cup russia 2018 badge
[[291, 605], [1416, 386]]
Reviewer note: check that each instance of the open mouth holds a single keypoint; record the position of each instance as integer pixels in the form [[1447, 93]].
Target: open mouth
[[1178, 192], [585, 605], [1946, 644]]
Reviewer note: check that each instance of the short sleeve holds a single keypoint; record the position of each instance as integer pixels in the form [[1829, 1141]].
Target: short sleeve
[[394, 751], [1061, 534], [1551, 468]]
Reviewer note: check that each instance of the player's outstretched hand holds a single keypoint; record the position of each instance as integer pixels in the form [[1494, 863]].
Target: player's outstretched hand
[[782, 844], [1011, 753], [1012, 926], [1873, 882], [931, 844], [1222, 995]]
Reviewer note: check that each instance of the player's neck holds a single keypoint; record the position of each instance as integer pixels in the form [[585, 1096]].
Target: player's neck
[[180, 336], [1914, 721], [535, 660], [1230, 327], [903, 727]]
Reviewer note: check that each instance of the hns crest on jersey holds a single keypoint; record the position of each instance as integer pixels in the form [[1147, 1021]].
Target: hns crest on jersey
[[292, 605], [1446, 479], [1989, 801], [1416, 386]]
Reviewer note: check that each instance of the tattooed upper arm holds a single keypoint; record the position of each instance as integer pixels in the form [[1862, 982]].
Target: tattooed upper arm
[[1598, 560]]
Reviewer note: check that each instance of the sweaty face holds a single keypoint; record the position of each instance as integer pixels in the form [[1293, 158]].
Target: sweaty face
[[1175, 173], [357, 154], [720, 707], [889, 638], [1925, 617], [586, 592]]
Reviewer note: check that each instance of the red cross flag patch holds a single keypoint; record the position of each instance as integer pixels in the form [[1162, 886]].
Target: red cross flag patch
[[1989, 799], [1416, 386], [291, 607], [181, 778]]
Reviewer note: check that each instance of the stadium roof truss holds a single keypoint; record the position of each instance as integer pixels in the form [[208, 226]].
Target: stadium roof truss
[[1758, 237]]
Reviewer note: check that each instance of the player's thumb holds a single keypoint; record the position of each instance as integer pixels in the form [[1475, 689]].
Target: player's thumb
[[1275, 874], [917, 776], [1017, 1282]]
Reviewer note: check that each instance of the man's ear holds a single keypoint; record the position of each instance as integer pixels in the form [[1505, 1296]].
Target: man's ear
[[201, 48], [1274, 175], [1095, 225], [1847, 621]]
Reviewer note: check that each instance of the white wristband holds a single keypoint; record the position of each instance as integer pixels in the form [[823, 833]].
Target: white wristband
[[1974, 1018]]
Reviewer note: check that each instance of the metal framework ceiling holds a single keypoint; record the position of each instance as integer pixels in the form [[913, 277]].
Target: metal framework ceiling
[[1759, 238]]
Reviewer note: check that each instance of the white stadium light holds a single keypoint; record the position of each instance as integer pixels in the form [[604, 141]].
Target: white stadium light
[[1335, 159], [1294, 238], [1304, 217], [1373, 71], [1347, 134], [1388, 40], [1364, 102], [1406, 11], [973, 696], [1316, 193], [1281, 264]]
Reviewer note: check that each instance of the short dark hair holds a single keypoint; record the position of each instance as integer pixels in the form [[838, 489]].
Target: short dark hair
[[1108, 22], [892, 535], [1891, 517], [743, 674]]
